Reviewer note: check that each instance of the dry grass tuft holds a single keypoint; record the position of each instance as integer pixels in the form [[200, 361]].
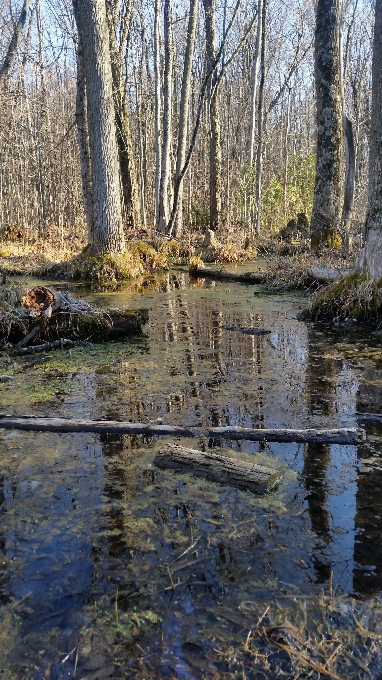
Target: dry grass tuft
[[355, 297]]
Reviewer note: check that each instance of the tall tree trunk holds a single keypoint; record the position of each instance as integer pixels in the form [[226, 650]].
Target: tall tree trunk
[[254, 74], [349, 160], [158, 110], [167, 111], [371, 258], [108, 236], [128, 171], [214, 116], [184, 109], [83, 142], [260, 119], [327, 202]]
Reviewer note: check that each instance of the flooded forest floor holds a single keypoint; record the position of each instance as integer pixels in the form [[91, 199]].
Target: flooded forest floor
[[110, 568]]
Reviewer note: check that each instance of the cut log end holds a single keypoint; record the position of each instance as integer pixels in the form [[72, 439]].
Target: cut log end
[[217, 468]]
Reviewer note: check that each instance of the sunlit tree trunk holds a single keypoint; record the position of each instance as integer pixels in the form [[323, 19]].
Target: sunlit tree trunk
[[158, 109], [128, 171], [260, 119], [108, 236], [371, 257], [83, 141], [184, 108], [214, 116], [254, 74], [163, 214], [327, 202]]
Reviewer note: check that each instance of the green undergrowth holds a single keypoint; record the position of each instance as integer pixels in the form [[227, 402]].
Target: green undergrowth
[[355, 297]]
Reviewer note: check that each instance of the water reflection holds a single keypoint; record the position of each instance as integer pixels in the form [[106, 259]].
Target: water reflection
[[89, 520]]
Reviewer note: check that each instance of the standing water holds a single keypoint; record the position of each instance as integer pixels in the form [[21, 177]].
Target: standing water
[[112, 568]]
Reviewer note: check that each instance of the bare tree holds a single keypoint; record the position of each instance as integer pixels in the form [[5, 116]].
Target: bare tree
[[214, 115], [107, 231], [184, 108], [119, 24], [370, 261], [14, 42], [327, 203], [163, 214]]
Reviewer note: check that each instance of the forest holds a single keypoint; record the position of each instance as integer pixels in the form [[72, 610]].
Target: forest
[[190, 339], [215, 119]]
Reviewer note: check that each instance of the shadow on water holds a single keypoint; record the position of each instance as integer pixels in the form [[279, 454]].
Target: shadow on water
[[112, 568]]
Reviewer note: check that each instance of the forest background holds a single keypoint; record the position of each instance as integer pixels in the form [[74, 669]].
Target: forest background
[[259, 105]]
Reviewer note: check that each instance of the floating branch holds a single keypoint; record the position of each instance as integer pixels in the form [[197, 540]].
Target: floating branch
[[34, 423], [218, 468]]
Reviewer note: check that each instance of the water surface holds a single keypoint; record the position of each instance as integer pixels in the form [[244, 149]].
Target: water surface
[[111, 567]]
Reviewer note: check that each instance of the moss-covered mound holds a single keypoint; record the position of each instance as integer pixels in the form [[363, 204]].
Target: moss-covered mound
[[355, 296], [43, 315], [138, 258]]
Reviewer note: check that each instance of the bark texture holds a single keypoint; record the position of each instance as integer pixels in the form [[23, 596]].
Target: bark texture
[[371, 258], [222, 469], [108, 236], [32, 423], [254, 75], [184, 109], [327, 202], [129, 181], [83, 141], [163, 215], [214, 116]]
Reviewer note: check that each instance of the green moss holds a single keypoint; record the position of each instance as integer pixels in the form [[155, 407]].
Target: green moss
[[327, 237], [355, 296], [139, 258]]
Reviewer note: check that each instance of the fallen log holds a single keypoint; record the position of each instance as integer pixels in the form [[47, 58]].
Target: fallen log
[[317, 274], [45, 316], [35, 423], [223, 469], [250, 277]]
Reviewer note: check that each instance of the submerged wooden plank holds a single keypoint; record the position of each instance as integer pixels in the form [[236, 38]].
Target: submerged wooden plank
[[318, 436], [222, 469]]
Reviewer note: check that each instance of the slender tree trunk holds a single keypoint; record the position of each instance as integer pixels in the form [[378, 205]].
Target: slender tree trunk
[[349, 160], [214, 116], [167, 111], [129, 181], [158, 111], [260, 119], [185, 108], [286, 154], [254, 74], [108, 236], [83, 142], [371, 258], [327, 202]]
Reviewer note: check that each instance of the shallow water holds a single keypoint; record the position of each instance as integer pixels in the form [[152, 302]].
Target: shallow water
[[107, 563]]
